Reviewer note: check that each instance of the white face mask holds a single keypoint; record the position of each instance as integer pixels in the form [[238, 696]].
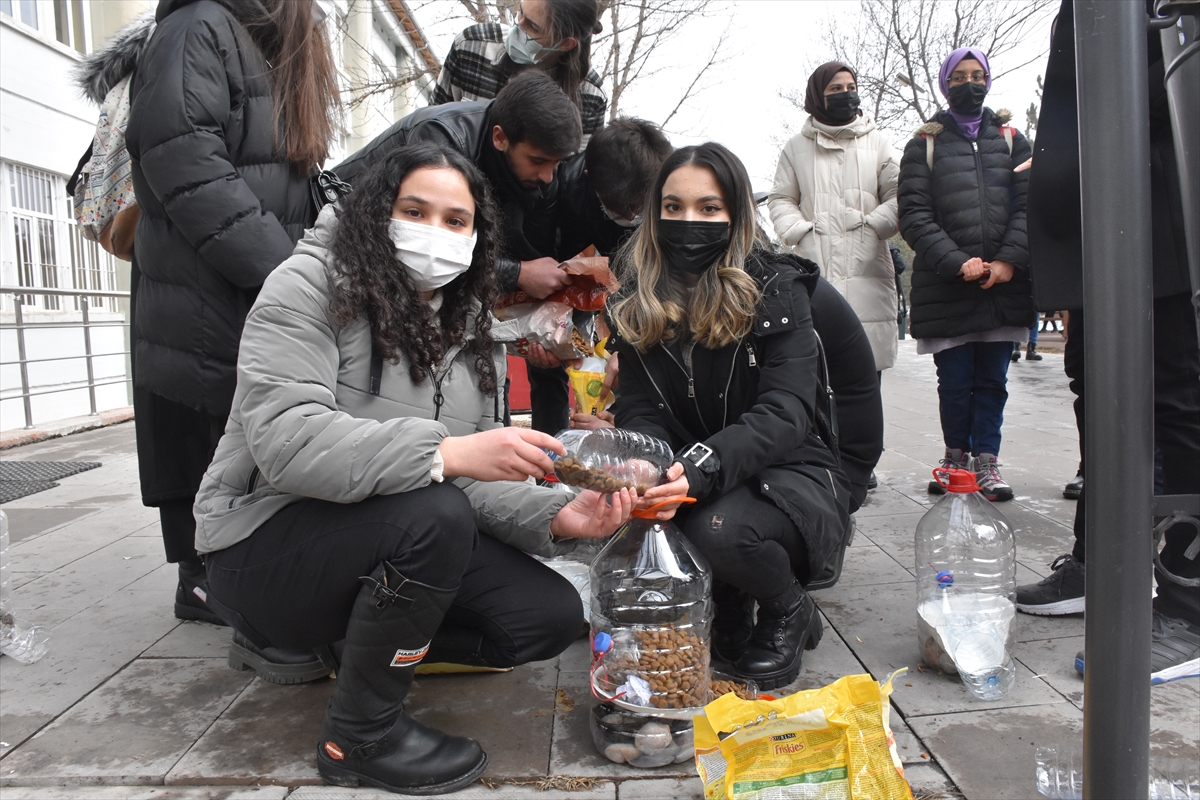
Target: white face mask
[[619, 220], [433, 256], [522, 48]]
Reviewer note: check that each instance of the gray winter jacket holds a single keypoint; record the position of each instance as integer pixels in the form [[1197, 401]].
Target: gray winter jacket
[[304, 424]]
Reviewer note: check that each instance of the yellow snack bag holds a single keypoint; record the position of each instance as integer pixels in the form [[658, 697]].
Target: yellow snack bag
[[832, 742], [588, 383]]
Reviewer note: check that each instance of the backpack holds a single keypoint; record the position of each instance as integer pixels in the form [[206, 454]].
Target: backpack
[[102, 186]]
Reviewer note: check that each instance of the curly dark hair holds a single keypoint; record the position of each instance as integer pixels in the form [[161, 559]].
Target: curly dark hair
[[367, 280]]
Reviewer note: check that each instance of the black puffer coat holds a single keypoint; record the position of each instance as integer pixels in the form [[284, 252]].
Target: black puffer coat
[[973, 205], [751, 402], [221, 208]]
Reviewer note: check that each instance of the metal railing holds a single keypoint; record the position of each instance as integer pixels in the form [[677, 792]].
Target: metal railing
[[19, 325]]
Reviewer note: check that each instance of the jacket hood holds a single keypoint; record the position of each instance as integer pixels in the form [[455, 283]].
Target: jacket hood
[[242, 10], [860, 126], [98, 73]]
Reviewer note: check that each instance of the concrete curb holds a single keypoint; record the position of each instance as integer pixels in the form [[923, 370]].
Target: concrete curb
[[64, 427]]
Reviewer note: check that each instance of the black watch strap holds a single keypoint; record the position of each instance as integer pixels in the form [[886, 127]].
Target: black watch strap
[[703, 456]]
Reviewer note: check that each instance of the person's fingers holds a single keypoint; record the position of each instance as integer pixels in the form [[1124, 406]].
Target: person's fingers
[[674, 471], [1024, 165], [991, 279], [538, 463], [539, 439]]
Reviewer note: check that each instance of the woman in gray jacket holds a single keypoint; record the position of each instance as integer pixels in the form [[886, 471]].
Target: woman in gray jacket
[[364, 488]]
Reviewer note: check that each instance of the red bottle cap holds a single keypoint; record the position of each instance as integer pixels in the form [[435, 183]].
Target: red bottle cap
[[959, 481]]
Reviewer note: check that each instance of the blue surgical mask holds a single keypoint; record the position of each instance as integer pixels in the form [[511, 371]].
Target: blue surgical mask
[[523, 49]]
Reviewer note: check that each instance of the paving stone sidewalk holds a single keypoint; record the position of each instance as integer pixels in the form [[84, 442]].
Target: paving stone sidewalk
[[131, 703]]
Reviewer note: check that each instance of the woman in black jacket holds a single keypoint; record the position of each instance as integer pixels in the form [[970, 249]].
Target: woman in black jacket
[[962, 210], [719, 358], [231, 113]]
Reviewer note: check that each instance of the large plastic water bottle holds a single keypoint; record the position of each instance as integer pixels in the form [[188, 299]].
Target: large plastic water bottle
[[19, 640], [966, 587]]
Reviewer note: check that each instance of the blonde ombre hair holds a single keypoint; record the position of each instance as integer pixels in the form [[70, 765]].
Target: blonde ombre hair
[[721, 308]]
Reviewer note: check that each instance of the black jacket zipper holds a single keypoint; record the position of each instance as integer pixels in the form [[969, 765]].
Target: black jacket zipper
[[983, 222]]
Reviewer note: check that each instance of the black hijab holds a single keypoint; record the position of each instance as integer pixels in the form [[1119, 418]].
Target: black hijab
[[814, 96]]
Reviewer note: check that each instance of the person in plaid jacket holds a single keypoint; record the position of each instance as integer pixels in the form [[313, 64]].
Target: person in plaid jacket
[[552, 36]]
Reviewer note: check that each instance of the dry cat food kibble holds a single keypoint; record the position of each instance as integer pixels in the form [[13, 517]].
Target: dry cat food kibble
[[724, 687], [571, 471], [675, 664]]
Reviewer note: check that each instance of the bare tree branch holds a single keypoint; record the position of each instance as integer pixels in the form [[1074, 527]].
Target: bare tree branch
[[898, 46]]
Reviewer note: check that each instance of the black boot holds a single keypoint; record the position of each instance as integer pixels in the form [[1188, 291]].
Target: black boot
[[367, 736], [1031, 353], [787, 626], [733, 624], [1016, 353], [277, 664], [191, 594]]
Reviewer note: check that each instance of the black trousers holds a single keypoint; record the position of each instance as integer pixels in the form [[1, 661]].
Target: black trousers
[[749, 542], [294, 580], [1176, 436], [548, 398]]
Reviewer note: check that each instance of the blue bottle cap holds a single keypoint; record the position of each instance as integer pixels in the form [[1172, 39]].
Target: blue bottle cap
[[601, 642], [945, 578]]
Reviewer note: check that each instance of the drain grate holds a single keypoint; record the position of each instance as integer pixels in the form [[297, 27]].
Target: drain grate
[[22, 478]]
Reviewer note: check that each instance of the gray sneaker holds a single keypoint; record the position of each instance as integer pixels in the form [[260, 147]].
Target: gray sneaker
[[987, 475], [1061, 592], [1174, 650], [954, 459]]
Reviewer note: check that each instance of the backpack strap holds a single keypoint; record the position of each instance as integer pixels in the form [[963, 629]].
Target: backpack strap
[[929, 150], [1007, 131]]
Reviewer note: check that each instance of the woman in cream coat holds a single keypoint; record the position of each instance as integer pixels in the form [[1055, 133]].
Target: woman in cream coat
[[834, 201]]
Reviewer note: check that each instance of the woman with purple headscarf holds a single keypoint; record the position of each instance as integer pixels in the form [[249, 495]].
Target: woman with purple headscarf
[[962, 210]]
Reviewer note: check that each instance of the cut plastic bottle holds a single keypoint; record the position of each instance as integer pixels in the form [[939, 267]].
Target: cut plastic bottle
[[966, 588], [20, 640], [1060, 775]]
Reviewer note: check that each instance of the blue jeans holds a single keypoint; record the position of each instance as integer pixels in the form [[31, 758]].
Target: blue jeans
[[972, 394]]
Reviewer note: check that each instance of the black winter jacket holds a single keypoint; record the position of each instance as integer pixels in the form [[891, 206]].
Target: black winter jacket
[[221, 208], [529, 216], [1055, 223], [581, 221], [751, 402], [973, 205], [855, 385]]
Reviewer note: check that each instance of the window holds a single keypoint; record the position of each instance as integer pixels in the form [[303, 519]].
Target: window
[[68, 24], [24, 10], [43, 247]]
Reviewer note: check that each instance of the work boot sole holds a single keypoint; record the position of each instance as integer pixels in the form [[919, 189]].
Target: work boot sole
[[242, 659], [338, 775], [782, 677], [999, 496], [1072, 605]]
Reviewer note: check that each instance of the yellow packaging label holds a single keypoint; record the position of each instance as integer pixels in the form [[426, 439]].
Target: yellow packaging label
[[588, 385], [828, 743]]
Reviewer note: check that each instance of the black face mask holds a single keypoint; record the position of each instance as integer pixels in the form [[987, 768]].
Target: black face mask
[[842, 107], [967, 98], [692, 247]]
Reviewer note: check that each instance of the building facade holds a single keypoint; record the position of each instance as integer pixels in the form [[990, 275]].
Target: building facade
[[386, 70]]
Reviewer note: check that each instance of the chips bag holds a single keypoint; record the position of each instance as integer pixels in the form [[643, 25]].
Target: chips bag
[[832, 742], [588, 382]]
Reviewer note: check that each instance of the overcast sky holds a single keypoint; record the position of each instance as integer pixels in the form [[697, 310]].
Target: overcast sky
[[774, 44]]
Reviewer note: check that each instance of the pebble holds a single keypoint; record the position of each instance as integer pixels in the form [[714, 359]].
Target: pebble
[[621, 753], [653, 737]]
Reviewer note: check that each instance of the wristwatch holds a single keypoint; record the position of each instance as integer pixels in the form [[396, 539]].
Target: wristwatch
[[703, 457]]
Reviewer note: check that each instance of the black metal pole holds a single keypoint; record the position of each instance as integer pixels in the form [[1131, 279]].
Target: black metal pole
[[1114, 154]]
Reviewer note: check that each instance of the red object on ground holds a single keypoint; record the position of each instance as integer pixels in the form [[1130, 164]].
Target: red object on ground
[[518, 390], [958, 481]]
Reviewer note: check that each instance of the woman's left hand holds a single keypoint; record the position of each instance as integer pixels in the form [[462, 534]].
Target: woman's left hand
[[589, 516], [1002, 272], [676, 486], [537, 355]]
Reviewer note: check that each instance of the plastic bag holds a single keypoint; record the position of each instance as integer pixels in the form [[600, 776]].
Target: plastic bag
[[591, 283], [22, 641], [588, 383], [829, 742]]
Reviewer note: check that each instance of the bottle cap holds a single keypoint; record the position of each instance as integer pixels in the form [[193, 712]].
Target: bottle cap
[[958, 481], [601, 643], [945, 578]]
